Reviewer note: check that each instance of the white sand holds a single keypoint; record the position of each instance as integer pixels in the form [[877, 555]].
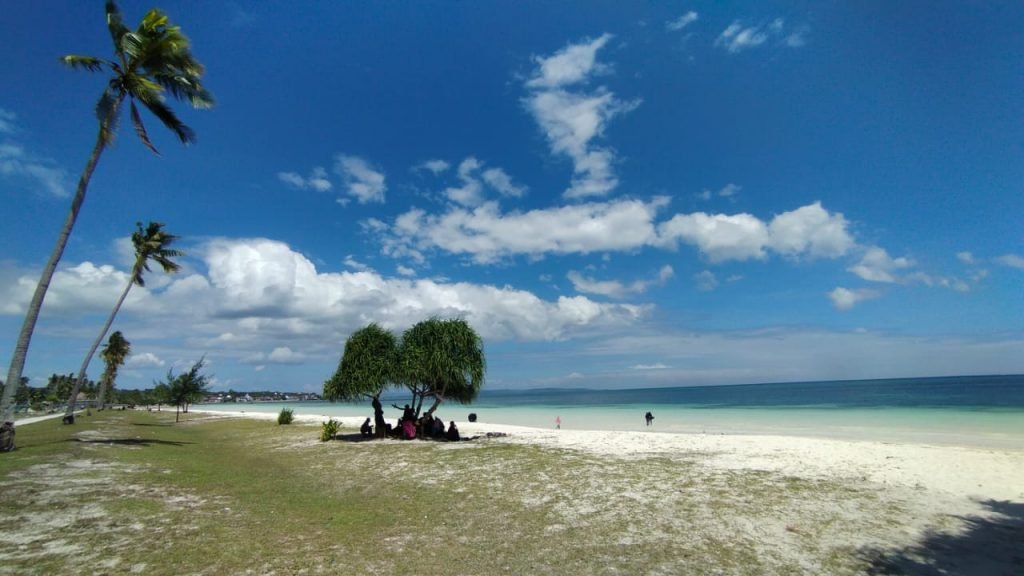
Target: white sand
[[958, 477]]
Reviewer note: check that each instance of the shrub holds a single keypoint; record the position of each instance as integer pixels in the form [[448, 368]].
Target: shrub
[[286, 416], [329, 430]]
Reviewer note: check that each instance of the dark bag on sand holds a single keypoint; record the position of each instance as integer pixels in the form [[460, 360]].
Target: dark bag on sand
[[7, 437]]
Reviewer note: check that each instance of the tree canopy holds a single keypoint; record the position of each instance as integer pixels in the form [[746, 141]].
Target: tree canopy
[[440, 359], [187, 387], [443, 360]]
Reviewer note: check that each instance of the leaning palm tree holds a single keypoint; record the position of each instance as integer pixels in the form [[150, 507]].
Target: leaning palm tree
[[114, 353], [148, 62], [368, 366], [151, 243], [443, 360]]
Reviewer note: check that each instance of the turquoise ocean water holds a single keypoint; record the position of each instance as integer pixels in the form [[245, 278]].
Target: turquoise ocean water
[[973, 411]]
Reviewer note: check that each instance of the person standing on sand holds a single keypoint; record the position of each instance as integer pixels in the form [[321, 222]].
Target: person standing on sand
[[558, 422], [649, 417]]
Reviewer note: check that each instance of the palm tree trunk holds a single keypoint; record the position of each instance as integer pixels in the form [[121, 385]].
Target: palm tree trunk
[[73, 398], [32, 314], [101, 396]]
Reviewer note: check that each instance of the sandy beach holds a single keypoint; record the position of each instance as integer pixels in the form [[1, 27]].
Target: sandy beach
[[513, 499], [919, 507]]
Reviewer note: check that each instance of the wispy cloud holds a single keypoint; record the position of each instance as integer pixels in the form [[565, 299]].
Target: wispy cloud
[[1011, 260], [317, 180], [844, 298], [16, 163], [362, 181], [728, 191], [470, 189], [497, 178], [658, 366], [682, 22], [571, 120], [7, 120], [614, 288], [738, 37], [435, 166], [706, 280]]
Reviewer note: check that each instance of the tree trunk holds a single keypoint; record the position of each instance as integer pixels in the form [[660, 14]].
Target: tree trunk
[[96, 344], [438, 398], [101, 396], [176, 409], [379, 426], [36, 304]]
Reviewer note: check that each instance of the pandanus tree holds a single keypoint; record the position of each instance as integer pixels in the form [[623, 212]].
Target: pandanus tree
[[150, 62], [442, 360], [151, 244], [369, 365], [114, 353]]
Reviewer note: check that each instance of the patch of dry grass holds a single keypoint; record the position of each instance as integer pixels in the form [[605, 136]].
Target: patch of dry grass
[[131, 492]]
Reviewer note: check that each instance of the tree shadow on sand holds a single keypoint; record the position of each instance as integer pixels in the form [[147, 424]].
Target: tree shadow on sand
[[985, 546], [128, 441]]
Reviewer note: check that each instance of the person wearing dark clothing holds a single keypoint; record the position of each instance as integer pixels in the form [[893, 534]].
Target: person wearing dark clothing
[[649, 417], [453, 432], [366, 429]]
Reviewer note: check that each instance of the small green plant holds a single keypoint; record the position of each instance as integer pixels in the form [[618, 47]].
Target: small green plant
[[286, 416], [329, 430]]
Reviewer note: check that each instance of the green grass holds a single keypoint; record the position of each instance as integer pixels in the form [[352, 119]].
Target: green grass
[[123, 492]]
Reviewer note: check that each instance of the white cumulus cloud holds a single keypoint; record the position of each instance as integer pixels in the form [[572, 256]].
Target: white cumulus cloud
[[877, 266], [144, 360]]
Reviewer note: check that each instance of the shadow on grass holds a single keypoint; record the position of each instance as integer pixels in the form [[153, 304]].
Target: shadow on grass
[[163, 425], [985, 546], [128, 441]]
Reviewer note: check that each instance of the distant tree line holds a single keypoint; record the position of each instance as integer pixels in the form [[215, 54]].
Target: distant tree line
[[180, 390]]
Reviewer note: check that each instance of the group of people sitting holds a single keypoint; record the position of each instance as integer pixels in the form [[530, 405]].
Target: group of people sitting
[[409, 427]]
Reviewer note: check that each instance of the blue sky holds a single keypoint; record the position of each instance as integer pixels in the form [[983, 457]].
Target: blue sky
[[613, 194]]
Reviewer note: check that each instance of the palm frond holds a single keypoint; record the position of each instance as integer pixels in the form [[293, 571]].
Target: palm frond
[[183, 87], [140, 129], [170, 120], [133, 46], [114, 23], [153, 20], [90, 63]]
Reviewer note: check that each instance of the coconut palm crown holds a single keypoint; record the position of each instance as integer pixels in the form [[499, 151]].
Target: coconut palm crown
[[114, 353], [151, 243], [153, 59]]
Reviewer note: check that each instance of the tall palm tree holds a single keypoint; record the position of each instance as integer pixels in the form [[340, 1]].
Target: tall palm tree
[[148, 62], [443, 360], [114, 353], [151, 243], [368, 366]]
